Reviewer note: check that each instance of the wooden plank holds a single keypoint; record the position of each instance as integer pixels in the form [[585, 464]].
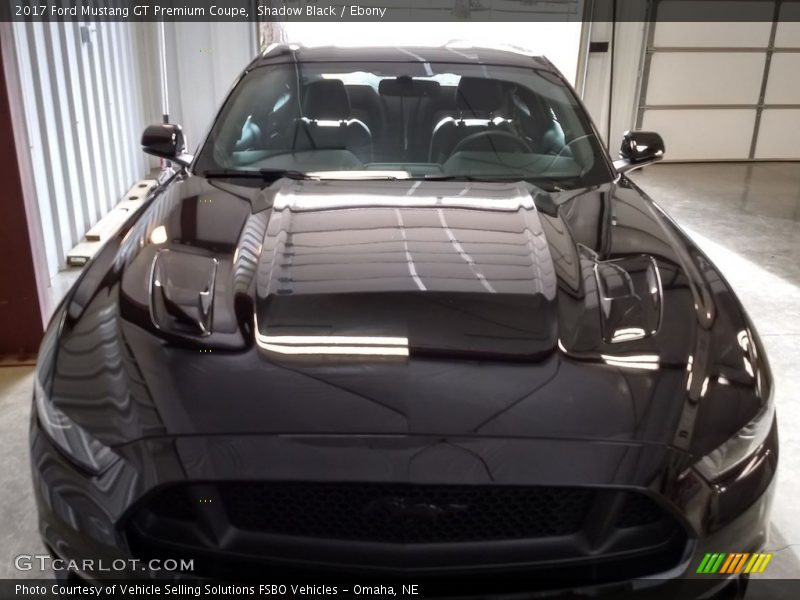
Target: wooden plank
[[82, 253], [110, 224]]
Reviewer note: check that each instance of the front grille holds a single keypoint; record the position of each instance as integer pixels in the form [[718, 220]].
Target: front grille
[[406, 513], [638, 510], [336, 526], [398, 513]]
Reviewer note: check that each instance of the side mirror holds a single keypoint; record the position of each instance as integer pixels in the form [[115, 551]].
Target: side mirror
[[639, 148], [166, 140]]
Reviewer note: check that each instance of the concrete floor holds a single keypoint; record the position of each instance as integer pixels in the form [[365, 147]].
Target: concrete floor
[[18, 533], [746, 217]]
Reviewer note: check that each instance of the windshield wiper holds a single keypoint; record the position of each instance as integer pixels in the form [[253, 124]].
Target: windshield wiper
[[266, 175], [449, 178]]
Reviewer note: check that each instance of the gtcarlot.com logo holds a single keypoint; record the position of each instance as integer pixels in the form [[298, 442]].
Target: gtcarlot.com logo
[[28, 562], [722, 563]]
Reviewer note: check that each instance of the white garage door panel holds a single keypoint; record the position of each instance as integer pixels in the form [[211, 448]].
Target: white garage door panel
[[705, 78], [783, 85], [779, 132], [711, 35], [787, 34], [704, 133], [724, 91]]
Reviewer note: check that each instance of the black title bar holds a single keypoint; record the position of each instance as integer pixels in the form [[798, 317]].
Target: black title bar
[[333, 11]]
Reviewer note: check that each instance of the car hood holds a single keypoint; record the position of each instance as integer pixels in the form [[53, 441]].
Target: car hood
[[416, 272], [401, 308]]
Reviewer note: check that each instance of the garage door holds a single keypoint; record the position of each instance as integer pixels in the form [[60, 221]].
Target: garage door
[[724, 91], [83, 120]]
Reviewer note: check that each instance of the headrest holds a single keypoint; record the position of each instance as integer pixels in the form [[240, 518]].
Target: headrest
[[326, 100], [478, 94]]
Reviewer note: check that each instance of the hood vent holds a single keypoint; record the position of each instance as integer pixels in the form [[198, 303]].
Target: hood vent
[[182, 292], [630, 298]]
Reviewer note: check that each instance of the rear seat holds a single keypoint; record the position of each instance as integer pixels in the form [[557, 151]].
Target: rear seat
[[365, 105], [479, 104], [328, 124], [385, 120]]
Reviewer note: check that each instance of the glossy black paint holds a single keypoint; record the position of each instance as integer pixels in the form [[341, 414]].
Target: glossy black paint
[[190, 381]]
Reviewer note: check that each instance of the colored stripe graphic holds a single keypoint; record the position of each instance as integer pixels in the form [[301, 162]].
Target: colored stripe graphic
[[704, 563], [752, 562], [729, 562], [761, 564], [740, 564], [711, 563], [715, 567], [733, 563]]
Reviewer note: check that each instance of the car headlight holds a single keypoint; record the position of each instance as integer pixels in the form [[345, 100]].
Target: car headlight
[[72, 440], [738, 449], [723, 459]]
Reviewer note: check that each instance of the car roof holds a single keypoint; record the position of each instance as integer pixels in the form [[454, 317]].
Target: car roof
[[450, 53]]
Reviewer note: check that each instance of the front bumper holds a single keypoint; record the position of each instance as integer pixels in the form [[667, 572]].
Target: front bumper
[[83, 517]]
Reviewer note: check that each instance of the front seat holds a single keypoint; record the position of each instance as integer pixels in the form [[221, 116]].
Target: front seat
[[326, 123], [479, 102]]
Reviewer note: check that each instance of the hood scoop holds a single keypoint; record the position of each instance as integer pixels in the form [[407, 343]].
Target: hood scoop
[[630, 298], [182, 292]]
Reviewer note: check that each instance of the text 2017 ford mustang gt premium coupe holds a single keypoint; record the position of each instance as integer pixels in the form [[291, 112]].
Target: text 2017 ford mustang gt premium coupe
[[402, 318]]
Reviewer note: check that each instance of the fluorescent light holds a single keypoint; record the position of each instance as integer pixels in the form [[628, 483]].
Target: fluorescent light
[[647, 362], [337, 350], [419, 199], [334, 340], [340, 345], [627, 333], [743, 339]]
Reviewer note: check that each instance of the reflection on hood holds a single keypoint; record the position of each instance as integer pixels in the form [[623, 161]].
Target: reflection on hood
[[420, 274]]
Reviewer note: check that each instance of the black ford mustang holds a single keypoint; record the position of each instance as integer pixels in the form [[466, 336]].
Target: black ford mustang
[[402, 319]]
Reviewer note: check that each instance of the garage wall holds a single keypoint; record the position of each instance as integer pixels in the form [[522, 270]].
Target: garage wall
[[203, 61], [84, 115], [594, 84], [723, 91]]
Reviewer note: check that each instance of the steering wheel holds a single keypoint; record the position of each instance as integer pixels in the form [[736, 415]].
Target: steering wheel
[[505, 135]]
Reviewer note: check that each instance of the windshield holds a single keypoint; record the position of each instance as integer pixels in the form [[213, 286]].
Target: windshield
[[404, 120]]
